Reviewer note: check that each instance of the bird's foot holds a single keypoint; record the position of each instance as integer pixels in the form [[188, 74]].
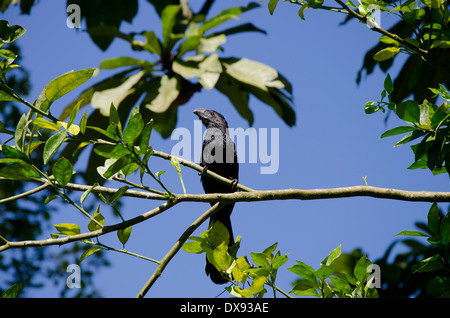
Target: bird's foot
[[203, 171], [234, 184]]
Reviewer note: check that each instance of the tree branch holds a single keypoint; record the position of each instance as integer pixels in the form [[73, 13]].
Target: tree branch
[[88, 235], [176, 247], [420, 51]]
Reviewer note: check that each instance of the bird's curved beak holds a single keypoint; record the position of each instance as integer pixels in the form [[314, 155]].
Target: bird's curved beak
[[200, 112]]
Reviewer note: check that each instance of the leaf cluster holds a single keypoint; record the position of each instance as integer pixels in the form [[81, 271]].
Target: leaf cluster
[[331, 281], [247, 280], [426, 121]]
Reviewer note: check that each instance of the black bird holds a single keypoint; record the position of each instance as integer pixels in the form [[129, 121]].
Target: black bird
[[218, 155]]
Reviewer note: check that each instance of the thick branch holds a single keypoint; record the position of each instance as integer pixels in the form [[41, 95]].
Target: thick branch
[[316, 194]]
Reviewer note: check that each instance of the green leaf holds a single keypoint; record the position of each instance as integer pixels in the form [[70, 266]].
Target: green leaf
[[413, 233], [332, 256], [111, 151], [257, 285], [52, 145], [9, 34], [261, 259], [360, 270], [254, 73], [434, 219], [386, 54], [21, 130], [43, 123], [397, 130], [67, 228], [168, 91], [19, 171], [103, 99], [303, 270], [92, 226], [60, 86], [389, 41], [117, 166], [278, 261], [222, 259], [301, 13], [272, 5], [86, 193], [304, 288], [324, 272], [340, 284], [269, 250], [168, 19], [89, 252], [13, 292], [388, 85], [445, 230], [124, 235], [429, 264], [193, 247], [122, 62], [62, 170], [152, 43], [12, 152], [133, 129], [226, 15], [409, 111], [83, 123]]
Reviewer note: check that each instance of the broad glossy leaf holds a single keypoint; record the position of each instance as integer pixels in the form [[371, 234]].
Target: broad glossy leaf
[[111, 151], [122, 62], [67, 228], [409, 111], [92, 226], [168, 19], [52, 145], [102, 100], [60, 86], [62, 170], [13, 292], [305, 271], [89, 252], [133, 129], [386, 54], [434, 219], [9, 34], [193, 247], [254, 73], [221, 257], [167, 92], [397, 131], [19, 171], [124, 235], [360, 270], [429, 264], [445, 230]]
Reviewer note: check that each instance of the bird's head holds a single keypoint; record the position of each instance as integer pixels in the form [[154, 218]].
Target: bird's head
[[211, 118]]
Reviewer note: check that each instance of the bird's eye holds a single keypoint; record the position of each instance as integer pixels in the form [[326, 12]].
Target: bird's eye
[[212, 137]]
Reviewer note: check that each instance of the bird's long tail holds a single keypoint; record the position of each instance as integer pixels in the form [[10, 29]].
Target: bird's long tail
[[224, 217]]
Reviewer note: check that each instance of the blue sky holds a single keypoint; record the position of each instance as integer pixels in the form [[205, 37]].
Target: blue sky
[[334, 144]]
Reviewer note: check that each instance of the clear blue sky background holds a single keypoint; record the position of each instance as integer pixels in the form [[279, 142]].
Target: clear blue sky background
[[333, 144]]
